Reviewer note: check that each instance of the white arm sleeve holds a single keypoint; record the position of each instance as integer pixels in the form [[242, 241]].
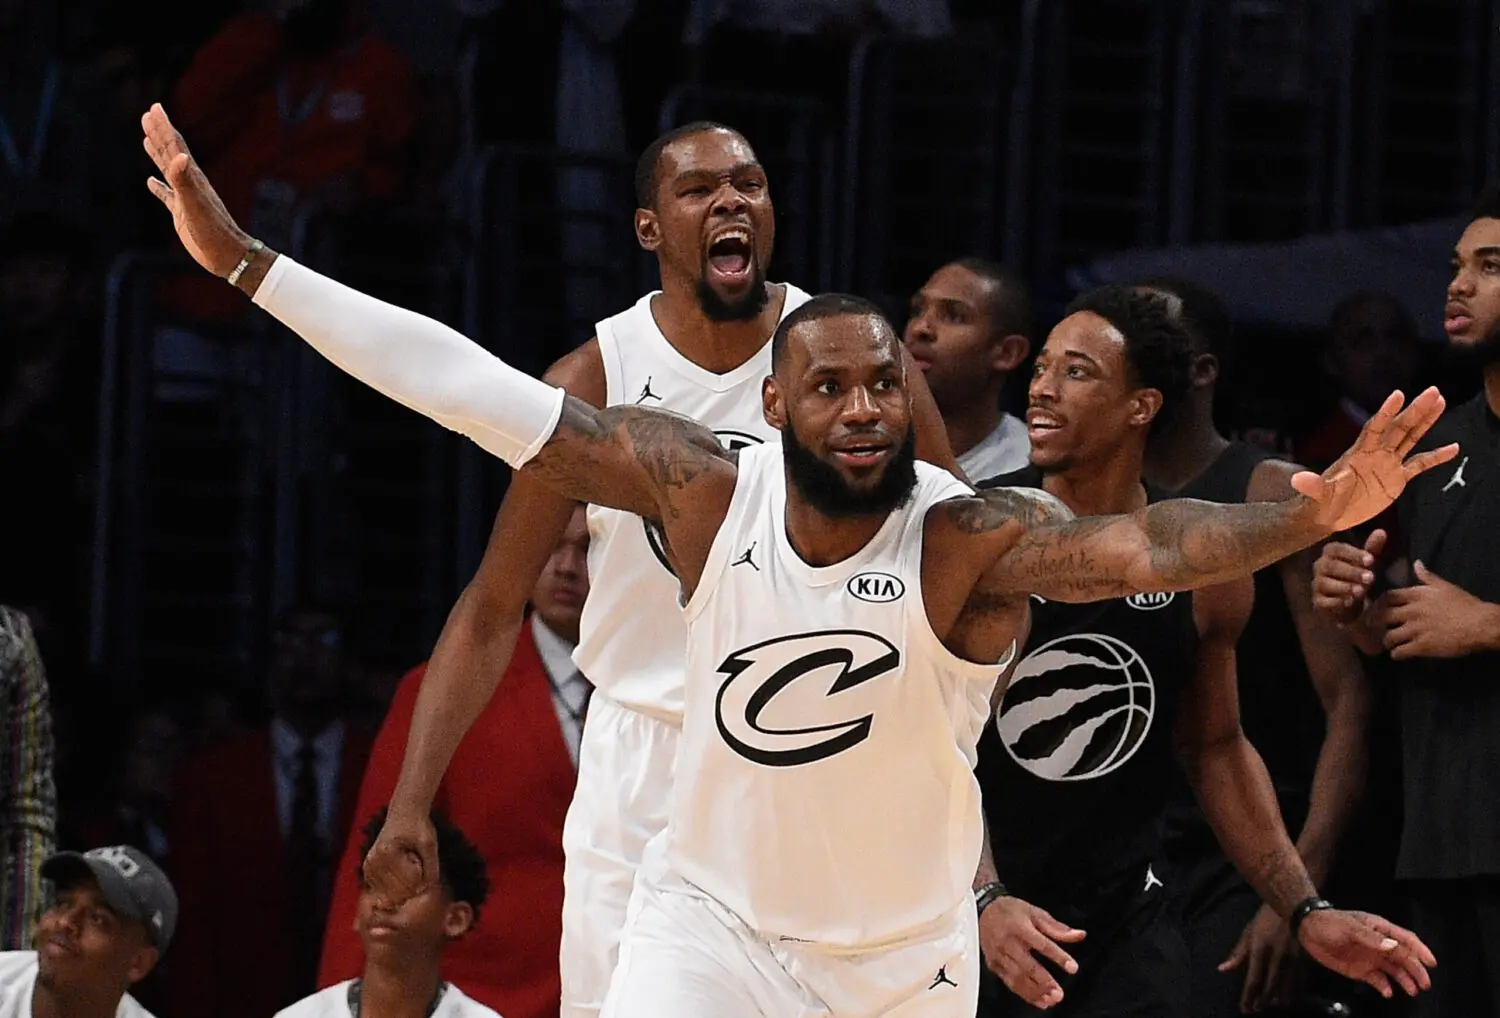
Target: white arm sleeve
[[416, 361]]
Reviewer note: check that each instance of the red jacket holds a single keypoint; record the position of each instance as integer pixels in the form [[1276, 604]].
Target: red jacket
[[507, 789], [231, 956]]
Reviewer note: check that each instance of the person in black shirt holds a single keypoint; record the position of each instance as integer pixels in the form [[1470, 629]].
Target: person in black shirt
[[1074, 770], [1441, 628], [1305, 701]]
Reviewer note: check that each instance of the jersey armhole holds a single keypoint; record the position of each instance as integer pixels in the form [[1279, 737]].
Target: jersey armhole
[[718, 552], [609, 354]]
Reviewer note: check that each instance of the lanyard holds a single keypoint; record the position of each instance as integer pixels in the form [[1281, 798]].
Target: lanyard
[[356, 991], [45, 108]]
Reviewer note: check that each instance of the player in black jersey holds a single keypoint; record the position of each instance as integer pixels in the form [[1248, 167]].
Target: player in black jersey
[[1305, 701], [1076, 767]]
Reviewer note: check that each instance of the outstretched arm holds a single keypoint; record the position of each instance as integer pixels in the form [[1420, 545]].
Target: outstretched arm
[[630, 458], [1184, 544]]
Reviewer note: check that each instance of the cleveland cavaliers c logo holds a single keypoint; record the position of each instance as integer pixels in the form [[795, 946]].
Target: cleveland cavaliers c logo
[[734, 441], [1077, 707], [793, 700]]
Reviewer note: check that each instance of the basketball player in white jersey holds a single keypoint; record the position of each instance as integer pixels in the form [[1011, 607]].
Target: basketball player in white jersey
[[848, 613], [700, 346]]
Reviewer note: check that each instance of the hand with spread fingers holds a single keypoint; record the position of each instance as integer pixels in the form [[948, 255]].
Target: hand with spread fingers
[[204, 225], [1011, 935], [1368, 949], [1376, 469]]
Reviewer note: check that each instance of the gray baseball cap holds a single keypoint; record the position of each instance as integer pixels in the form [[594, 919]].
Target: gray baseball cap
[[132, 884]]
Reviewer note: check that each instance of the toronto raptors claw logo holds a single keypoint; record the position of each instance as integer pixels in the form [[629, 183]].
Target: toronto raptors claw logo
[[787, 702], [1077, 707], [734, 441]]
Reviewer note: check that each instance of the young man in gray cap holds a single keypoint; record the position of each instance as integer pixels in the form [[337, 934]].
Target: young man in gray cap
[[113, 917]]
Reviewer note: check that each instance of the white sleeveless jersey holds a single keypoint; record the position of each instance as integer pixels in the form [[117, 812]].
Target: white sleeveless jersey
[[631, 636], [825, 785]]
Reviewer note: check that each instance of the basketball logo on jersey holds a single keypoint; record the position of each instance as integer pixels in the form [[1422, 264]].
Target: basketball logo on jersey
[[794, 700], [1077, 707], [733, 441]]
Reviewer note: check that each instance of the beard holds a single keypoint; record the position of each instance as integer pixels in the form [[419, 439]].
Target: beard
[[826, 491], [743, 309], [1471, 358]]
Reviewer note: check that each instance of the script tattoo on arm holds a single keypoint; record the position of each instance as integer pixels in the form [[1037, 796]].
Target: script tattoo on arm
[[627, 457], [1179, 544]]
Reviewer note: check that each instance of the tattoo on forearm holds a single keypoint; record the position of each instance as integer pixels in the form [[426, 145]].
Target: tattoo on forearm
[[623, 455], [1282, 880], [1173, 545]]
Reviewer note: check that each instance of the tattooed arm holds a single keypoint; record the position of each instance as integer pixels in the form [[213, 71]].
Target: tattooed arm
[[1184, 544]]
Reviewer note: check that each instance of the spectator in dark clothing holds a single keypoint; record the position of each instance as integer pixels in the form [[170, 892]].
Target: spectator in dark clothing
[[1441, 630], [271, 807]]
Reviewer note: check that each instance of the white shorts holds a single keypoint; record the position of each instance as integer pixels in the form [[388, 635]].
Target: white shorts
[[687, 956], [625, 765]]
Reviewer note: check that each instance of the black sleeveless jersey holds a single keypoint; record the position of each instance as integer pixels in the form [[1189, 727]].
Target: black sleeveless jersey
[[1077, 763], [1279, 708]]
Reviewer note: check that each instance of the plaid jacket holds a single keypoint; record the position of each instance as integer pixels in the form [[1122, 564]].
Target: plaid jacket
[[28, 797]]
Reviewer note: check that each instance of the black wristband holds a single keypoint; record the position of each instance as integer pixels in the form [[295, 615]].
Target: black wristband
[[1305, 908], [988, 894]]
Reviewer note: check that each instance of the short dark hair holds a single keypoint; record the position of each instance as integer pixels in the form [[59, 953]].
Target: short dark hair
[[1487, 204], [824, 305], [1158, 348], [647, 167], [1203, 312], [460, 865], [1011, 311]]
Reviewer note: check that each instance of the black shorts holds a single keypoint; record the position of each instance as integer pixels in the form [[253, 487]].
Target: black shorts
[[1131, 965]]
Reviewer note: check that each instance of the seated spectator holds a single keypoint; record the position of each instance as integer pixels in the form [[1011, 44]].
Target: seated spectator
[[271, 807], [403, 947], [508, 785], [28, 795], [300, 104], [113, 919]]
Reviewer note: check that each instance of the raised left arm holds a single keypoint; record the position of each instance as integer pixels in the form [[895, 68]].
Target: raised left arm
[[1184, 544]]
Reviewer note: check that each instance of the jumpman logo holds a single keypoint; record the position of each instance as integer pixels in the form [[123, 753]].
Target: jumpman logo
[[1457, 480], [1152, 880], [942, 979], [646, 393], [745, 559]]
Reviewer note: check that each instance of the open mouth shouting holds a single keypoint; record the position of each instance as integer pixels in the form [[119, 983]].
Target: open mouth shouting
[[731, 257]]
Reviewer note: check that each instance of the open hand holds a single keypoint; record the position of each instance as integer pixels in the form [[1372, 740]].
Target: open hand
[[204, 225], [1368, 949], [1271, 959], [1376, 469], [1010, 930], [403, 861], [1435, 618]]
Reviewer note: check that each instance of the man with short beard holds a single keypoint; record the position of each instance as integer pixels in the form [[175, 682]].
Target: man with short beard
[[824, 825], [1441, 626], [699, 347]]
